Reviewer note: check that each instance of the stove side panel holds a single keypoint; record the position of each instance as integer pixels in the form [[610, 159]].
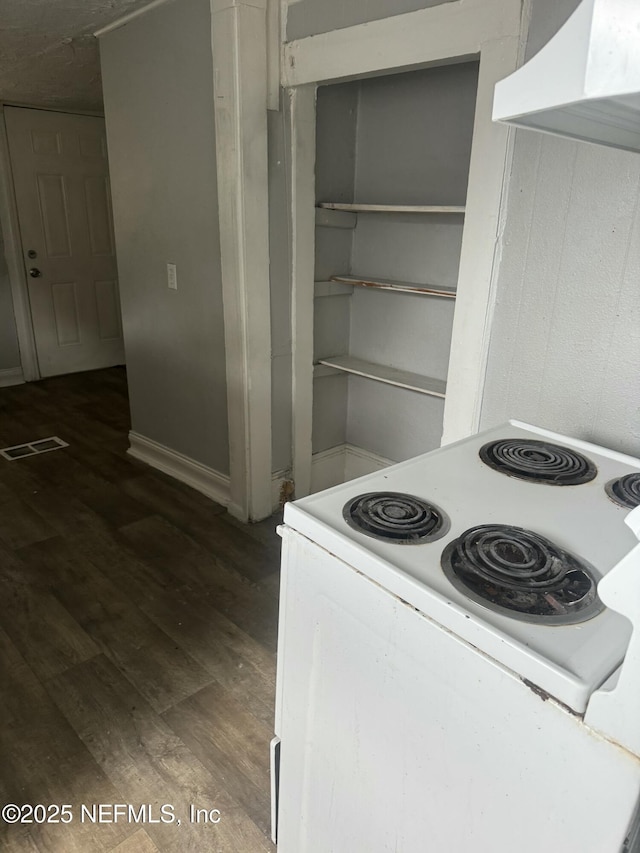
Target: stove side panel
[[395, 734]]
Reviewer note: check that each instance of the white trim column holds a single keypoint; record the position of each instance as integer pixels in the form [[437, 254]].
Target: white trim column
[[481, 254], [301, 103], [239, 41]]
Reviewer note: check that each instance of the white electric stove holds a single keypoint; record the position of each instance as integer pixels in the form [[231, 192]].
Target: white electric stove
[[450, 672]]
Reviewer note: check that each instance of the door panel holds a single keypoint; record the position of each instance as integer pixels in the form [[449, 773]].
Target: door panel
[[61, 180], [45, 142], [65, 311], [54, 214]]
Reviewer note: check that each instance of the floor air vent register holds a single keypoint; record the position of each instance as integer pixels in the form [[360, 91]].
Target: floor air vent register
[[32, 448]]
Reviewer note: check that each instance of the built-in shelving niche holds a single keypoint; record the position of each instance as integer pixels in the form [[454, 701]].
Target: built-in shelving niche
[[392, 162]]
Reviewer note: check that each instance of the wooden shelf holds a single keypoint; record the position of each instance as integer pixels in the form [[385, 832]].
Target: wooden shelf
[[382, 373], [391, 208], [396, 286]]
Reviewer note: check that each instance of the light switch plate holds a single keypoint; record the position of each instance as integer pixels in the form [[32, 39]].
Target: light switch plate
[[172, 277]]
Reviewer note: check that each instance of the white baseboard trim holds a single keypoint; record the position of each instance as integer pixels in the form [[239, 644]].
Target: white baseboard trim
[[200, 477], [328, 468], [341, 463], [359, 462], [11, 376]]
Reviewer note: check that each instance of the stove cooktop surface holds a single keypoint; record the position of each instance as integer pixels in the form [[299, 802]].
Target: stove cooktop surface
[[568, 657]]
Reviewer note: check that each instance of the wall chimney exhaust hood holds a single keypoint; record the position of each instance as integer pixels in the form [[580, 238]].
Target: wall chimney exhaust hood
[[585, 82]]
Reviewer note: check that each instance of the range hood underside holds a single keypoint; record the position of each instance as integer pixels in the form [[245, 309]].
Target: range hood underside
[[585, 82], [607, 121]]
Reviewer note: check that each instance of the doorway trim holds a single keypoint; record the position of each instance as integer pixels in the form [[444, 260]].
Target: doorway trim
[[488, 30], [13, 256]]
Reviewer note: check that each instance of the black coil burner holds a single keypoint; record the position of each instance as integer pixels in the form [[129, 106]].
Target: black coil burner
[[401, 518], [521, 574], [625, 491], [538, 462]]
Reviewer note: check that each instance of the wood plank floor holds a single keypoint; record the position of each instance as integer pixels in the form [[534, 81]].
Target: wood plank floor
[[137, 639]]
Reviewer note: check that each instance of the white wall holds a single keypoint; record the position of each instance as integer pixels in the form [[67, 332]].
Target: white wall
[[414, 136], [9, 352], [565, 346], [158, 93], [547, 16]]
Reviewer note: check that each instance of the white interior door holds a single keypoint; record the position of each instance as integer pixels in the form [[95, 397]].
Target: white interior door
[[61, 179]]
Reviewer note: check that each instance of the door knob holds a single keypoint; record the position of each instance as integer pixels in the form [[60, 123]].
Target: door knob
[[34, 272]]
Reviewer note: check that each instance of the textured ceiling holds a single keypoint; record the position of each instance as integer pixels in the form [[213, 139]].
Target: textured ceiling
[[48, 54]]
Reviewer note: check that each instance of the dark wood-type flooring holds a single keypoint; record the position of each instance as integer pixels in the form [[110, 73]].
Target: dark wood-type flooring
[[137, 638]]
